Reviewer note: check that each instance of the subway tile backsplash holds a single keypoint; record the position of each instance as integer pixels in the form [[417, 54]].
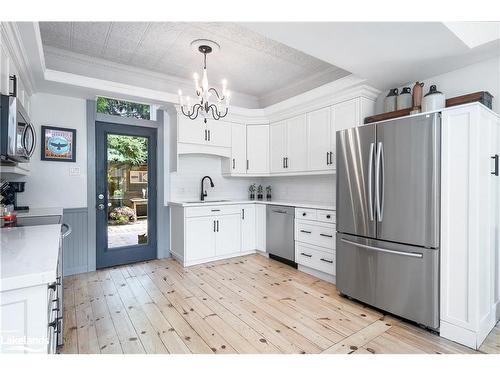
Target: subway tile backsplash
[[185, 183]]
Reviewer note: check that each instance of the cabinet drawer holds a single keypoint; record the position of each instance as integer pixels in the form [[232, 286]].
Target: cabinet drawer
[[305, 213], [314, 233], [212, 210], [326, 216], [310, 256]]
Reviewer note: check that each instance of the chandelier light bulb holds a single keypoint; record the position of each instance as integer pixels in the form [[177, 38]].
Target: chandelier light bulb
[[228, 97]]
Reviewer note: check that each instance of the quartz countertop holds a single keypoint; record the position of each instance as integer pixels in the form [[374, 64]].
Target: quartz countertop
[[41, 211], [315, 205], [29, 255]]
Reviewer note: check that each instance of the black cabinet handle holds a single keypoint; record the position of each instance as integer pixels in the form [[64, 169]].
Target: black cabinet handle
[[328, 216], [327, 158], [304, 214], [215, 210], [331, 158], [243, 213], [217, 225], [326, 260], [234, 163], [209, 135], [495, 172], [305, 231], [286, 162], [306, 255], [214, 225], [247, 164], [326, 235]]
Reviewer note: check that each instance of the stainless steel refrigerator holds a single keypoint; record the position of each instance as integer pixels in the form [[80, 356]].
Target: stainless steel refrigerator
[[388, 199]]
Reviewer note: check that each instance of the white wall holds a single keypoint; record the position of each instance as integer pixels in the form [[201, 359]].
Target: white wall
[[50, 183], [185, 183], [482, 76], [318, 189]]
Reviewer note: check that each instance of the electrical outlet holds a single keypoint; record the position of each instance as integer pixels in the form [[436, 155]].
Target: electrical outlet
[[74, 171]]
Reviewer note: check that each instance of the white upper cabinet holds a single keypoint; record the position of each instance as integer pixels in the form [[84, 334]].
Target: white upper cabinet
[[238, 164], [319, 140], [277, 137], [346, 115], [219, 133], [296, 144], [191, 131], [258, 149]]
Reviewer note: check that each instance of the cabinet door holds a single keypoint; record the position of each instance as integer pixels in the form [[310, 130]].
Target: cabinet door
[[219, 133], [345, 115], [228, 234], [319, 139], [296, 144], [248, 230], [200, 238], [258, 149], [238, 148], [260, 223], [277, 137], [191, 131]]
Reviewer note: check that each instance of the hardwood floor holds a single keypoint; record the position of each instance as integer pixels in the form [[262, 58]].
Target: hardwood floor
[[248, 304]]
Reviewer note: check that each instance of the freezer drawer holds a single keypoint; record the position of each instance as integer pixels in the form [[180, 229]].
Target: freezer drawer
[[400, 279]]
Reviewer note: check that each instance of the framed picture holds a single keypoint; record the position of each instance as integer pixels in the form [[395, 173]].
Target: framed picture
[[138, 177], [58, 144]]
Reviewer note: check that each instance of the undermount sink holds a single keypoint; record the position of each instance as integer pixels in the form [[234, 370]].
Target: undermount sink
[[209, 201]]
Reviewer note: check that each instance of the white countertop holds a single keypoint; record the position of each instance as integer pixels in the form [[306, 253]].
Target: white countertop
[[315, 205], [28, 255], [41, 211]]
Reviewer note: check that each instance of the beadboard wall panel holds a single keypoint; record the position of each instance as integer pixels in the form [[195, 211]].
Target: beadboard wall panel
[[75, 258]]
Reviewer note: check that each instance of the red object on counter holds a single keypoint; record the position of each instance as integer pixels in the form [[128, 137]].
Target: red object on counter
[[9, 218]]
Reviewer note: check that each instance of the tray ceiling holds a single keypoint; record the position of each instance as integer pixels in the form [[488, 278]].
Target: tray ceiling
[[253, 64]]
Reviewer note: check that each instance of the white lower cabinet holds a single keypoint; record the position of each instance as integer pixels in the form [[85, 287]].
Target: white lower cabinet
[[315, 242], [202, 234], [248, 227], [227, 234], [260, 227]]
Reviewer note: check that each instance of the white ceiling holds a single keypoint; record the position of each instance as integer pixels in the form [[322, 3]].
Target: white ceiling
[[253, 64], [390, 54]]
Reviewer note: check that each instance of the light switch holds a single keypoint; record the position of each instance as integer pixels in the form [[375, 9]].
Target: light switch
[[74, 171]]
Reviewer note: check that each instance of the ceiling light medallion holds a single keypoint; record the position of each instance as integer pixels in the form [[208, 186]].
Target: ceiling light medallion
[[206, 105]]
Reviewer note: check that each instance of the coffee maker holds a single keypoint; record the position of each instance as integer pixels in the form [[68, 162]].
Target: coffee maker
[[9, 191]]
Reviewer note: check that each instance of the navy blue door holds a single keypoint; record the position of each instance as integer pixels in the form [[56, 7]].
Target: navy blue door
[[125, 194]]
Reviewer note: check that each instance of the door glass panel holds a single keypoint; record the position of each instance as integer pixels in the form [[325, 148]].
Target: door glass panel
[[127, 187]]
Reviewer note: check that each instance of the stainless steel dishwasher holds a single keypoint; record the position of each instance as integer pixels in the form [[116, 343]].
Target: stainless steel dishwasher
[[280, 234]]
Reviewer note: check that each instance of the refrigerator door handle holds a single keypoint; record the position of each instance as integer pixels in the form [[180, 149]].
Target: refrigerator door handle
[[379, 249], [382, 177], [370, 180], [377, 181]]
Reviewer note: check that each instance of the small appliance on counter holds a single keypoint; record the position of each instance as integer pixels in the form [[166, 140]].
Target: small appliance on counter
[[433, 100], [9, 191]]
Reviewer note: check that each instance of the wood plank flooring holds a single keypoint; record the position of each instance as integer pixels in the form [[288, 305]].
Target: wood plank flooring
[[248, 304]]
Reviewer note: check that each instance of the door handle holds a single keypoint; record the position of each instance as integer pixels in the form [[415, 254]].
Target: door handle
[[283, 162], [495, 171], [100, 206], [247, 164], [370, 180], [209, 135], [306, 255], [286, 162], [379, 186], [379, 249], [331, 158], [206, 135]]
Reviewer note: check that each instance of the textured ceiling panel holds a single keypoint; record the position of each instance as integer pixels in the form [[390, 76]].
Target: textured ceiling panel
[[252, 64]]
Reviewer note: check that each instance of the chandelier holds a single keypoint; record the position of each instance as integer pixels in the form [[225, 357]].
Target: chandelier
[[208, 102]]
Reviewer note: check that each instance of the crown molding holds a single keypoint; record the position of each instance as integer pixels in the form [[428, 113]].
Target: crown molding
[[14, 44], [71, 62]]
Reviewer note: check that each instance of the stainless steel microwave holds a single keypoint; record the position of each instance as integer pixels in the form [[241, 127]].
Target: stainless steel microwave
[[17, 133]]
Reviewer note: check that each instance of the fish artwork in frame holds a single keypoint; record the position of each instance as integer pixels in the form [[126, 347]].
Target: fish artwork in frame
[[58, 144]]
